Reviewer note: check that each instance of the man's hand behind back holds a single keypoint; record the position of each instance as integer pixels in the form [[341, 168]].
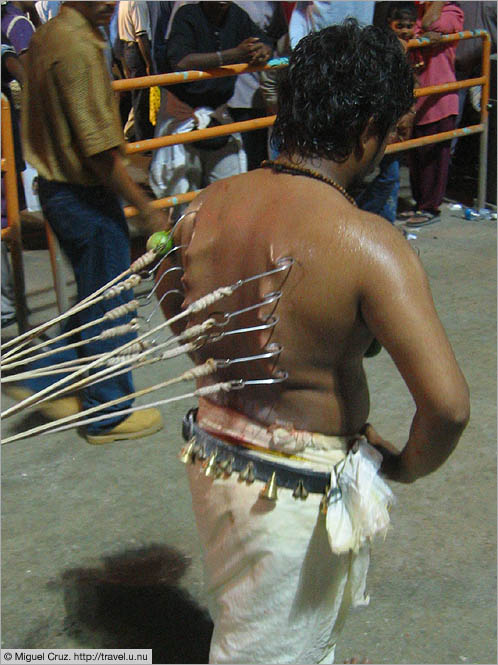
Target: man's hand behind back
[[391, 466]]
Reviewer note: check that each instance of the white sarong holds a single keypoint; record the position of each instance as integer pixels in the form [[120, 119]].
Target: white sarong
[[281, 576]]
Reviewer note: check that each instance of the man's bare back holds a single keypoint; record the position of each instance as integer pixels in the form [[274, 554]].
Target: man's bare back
[[242, 227], [353, 278]]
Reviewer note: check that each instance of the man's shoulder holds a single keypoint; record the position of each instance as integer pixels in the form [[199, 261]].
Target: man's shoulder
[[376, 232], [189, 14], [188, 10], [67, 42], [57, 34]]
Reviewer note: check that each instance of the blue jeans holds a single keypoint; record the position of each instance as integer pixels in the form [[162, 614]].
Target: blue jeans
[[92, 231], [381, 195]]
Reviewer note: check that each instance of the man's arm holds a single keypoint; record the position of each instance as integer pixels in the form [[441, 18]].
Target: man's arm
[[183, 46], [251, 50], [12, 64], [439, 20], [397, 306], [139, 14], [144, 46], [110, 168]]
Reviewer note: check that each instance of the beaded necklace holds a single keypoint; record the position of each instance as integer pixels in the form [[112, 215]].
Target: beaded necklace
[[283, 167]]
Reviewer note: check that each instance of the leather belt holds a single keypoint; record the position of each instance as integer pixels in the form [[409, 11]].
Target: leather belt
[[240, 459]]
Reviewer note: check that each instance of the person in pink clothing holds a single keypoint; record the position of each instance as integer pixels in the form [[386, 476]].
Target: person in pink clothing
[[434, 113]]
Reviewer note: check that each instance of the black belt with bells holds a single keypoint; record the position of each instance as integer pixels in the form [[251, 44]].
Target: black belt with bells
[[222, 459]]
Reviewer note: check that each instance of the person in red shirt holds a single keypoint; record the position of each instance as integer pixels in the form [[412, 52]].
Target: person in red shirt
[[434, 113]]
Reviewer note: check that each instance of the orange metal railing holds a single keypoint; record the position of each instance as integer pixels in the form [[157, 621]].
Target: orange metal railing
[[249, 125], [12, 233]]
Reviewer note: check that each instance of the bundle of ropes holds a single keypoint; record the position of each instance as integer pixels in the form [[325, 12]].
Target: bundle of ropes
[[141, 351]]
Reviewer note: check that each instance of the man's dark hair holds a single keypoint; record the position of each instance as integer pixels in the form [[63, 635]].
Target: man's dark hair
[[337, 79]]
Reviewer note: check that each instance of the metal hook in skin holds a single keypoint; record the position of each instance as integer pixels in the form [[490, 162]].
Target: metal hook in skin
[[284, 263], [271, 322], [269, 353], [160, 301], [156, 285], [148, 274], [267, 300], [182, 217], [146, 297], [239, 384]]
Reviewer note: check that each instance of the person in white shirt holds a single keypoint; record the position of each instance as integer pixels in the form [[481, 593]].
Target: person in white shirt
[[135, 34]]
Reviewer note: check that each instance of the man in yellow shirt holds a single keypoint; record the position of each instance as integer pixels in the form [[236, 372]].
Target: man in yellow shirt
[[73, 137]]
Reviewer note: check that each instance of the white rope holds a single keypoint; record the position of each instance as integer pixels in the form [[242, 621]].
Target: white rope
[[125, 285], [138, 347], [62, 367], [135, 349], [205, 391], [117, 331], [143, 261], [136, 358], [211, 298], [194, 307], [65, 366], [92, 299], [78, 307], [114, 364], [166, 355], [34, 374], [120, 310], [197, 330], [113, 314], [200, 392], [137, 364]]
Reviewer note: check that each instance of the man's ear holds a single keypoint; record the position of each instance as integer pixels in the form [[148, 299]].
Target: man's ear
[[368, 133], [364, 138]]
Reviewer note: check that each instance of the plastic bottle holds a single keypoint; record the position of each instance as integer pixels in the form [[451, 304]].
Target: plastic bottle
[[471, 214], [484, 213]]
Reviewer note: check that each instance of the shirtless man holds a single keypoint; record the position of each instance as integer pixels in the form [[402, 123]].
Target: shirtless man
[[282, 574]]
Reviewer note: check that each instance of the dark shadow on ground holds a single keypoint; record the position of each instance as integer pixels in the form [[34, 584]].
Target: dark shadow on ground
[[133, 601]]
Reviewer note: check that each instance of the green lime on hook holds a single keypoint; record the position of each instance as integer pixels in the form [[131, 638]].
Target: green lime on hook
[[160, 241]]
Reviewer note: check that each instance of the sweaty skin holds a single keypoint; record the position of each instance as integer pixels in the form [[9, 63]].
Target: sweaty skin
[[354, 278]]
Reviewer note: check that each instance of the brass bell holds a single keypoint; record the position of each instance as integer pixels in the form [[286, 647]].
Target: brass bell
[[187, 452], [200, 453], [226, 466], [248, 473], [269, 491], [212, 466], [300, 492]]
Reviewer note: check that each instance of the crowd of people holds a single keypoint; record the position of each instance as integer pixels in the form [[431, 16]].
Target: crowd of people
[[345, 95], [163, 36], [146, 38]]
